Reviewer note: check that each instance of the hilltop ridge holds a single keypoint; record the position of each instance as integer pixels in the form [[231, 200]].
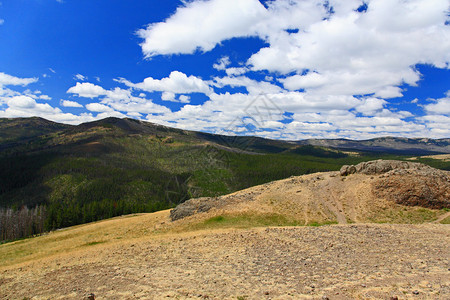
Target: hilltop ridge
[[396, 145], [375, 191]]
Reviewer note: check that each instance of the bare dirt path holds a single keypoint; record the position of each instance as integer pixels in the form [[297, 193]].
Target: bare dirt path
[[334, 204], [442, 218], [338, 262]]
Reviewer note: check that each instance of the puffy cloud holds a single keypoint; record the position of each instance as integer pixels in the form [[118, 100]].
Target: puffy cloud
[[2, 21], [222, 64], [6, 79], [202, 25], [168, 96], [15, 104], [298, 82], [356, 53], [254, 87], [333, 48], [318, 60], [184, 99], [176, 83], [440, 106], [315, 116], [68, 103], [116, 100], [370, 106], [45, 97], [236, 71], [25, 106], [22, 102], [123, 100], [87, 90], [97, 107], [304, 102], [34, 94]]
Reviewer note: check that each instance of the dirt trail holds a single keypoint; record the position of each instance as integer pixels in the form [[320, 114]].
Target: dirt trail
[[442, 218], [334, 203]]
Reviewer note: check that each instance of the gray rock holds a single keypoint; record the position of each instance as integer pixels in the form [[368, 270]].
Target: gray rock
[[377, 167], [192, 207]]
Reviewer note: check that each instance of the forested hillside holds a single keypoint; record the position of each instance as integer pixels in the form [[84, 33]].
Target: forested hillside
[[67, 175]]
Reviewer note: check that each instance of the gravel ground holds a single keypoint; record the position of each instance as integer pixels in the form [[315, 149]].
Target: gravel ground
[[336, 262]]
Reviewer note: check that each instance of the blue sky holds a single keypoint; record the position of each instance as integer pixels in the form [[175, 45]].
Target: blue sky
[[283, 69]]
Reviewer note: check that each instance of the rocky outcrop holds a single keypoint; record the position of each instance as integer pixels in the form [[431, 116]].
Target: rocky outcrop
[[430, 191], [192, 207], [205, 204], [377, 167], [328, 196], [406, 183], [425, 187]]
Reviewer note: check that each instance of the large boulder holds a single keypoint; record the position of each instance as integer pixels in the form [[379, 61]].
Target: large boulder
[[406, 183], [377, 167]]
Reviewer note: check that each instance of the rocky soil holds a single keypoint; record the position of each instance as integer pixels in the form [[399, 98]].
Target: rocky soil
[[334, 262]]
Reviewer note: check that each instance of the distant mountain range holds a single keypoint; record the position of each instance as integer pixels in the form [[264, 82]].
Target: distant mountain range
[[419, 146], [20, 130], [66, 175]]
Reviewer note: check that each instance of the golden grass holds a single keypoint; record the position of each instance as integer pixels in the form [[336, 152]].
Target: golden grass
[[444, 157], [445, 221], [79, 237], [398, 214]]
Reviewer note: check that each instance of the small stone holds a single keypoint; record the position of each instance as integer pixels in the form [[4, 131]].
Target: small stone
[[325, 298], [394, 298], [91, 296], [416, 292]]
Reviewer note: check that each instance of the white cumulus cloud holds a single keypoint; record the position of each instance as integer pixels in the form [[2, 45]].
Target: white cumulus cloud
[[87, 90], [440, 106], [97, 107], [68, 103], [176, 83], [331, 48], [6, 79], [202, 25]]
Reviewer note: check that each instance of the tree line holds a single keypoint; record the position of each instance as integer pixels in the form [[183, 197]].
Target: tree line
[[24, 222]]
